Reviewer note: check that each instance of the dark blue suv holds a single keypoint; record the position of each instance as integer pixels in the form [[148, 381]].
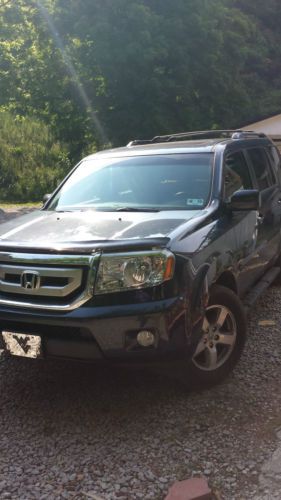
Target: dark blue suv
[[147, 253]]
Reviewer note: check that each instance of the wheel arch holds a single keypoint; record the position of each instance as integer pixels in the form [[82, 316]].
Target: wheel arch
[[203, 285], [228, 280]]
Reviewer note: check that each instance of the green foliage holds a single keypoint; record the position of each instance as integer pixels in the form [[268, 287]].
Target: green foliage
[[153, 66], [31, 162], [101, 72]]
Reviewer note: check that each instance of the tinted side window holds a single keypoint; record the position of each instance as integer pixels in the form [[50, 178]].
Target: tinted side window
[[237, 175], [274, 159], [261, 167]]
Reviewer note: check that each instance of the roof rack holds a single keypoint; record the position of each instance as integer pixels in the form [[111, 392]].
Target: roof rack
[[247, 134], [201, 134]]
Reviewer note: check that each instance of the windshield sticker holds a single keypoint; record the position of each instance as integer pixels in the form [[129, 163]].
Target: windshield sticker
[[197, 202]]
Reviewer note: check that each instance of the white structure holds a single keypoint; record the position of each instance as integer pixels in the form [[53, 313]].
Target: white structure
[[270, 126]]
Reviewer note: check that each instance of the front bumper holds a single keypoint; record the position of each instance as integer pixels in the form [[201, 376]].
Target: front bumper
[[108, 332]]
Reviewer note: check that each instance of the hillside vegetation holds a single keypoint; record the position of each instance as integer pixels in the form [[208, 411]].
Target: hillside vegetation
[[78, 75]]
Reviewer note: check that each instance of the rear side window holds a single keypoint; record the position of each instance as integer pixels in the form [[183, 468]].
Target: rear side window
[[274, 157], [261, 167], [237, 175]]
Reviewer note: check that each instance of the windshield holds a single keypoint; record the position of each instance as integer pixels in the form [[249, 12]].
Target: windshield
[[139, 183]]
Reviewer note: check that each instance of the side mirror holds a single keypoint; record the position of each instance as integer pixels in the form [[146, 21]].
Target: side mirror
[[46, 197], [246, 199]]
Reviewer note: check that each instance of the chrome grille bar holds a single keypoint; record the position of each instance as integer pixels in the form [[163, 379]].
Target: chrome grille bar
[[45, 259]]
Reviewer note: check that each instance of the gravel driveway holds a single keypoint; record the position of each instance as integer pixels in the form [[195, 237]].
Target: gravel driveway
[[76, 431]]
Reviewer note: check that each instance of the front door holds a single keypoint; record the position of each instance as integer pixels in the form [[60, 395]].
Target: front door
[[269, 218], [238, 175]]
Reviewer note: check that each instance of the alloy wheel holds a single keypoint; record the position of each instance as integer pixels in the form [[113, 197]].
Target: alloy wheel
[[218, 340]]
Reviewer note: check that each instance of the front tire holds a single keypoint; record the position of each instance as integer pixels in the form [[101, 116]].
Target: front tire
[[277, 281], [222, 342]]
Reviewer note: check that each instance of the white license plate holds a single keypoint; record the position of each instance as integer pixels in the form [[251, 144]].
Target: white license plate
[[22, 344]]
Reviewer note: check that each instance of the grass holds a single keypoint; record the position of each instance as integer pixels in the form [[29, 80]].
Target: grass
[[19, 205]]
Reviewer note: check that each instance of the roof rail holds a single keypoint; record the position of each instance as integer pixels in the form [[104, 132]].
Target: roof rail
[[201, 134], [247, 134]]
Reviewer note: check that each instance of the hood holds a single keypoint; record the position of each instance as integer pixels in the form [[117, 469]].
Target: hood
[[44, 228]]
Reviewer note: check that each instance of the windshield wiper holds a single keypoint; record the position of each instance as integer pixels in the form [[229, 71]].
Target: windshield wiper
[[134, 209]]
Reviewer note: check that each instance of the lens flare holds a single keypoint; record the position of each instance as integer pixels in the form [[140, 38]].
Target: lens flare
[[71, 70]]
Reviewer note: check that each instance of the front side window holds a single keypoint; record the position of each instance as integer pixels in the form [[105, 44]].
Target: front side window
[[237, 175], [261, 167], [160, 182]]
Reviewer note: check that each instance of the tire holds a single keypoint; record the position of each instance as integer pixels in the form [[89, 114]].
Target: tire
[[277, 281], [222, 342]]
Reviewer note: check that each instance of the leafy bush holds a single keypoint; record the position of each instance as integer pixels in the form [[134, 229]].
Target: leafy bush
[[31, 161]]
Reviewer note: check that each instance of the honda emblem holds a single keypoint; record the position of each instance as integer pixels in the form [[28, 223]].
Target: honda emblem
[[30, 280]]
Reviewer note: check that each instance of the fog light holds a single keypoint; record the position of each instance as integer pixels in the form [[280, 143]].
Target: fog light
[[145, 338]]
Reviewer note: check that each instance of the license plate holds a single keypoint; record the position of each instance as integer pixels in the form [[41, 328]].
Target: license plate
[[23, 344]]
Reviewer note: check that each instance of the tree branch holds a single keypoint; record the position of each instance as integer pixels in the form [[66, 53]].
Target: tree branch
[[4, 3]]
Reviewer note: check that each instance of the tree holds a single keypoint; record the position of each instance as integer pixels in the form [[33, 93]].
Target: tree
[[154, 67], [106, 71]]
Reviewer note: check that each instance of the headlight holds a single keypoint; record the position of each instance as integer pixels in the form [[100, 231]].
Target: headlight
[[127, 271]]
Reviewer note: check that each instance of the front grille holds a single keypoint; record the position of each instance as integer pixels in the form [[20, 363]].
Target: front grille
[[46, 281], [42, 281]]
